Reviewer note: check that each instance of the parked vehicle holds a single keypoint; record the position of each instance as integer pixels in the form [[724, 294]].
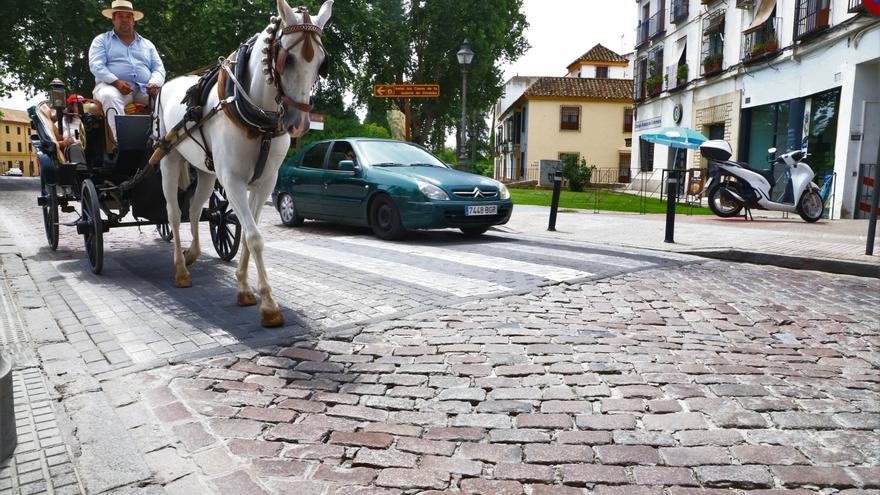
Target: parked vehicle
[[786, 186], [13, 172], [389, 186]]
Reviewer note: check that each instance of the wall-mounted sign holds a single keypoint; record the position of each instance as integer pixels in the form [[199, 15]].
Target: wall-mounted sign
[[648, 123]]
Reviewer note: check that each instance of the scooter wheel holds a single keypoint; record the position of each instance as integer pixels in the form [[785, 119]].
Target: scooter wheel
[[722, 204], [811, 207]]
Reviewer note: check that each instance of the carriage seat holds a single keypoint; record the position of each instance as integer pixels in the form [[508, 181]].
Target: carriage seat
[[46, 119]]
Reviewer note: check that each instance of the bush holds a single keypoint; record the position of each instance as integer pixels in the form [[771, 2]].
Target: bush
[[578, 174]]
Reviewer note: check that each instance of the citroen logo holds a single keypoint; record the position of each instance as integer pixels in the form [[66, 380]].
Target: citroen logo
[[477, 193]]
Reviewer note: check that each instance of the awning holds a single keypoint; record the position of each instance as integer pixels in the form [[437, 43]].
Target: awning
[[762, 14]]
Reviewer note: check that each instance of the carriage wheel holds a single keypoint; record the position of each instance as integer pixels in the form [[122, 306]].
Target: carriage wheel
[[91, 226], [224, 226], [50, 215], [165, 232]]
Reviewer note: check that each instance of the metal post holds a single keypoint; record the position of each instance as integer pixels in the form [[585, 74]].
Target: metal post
[[872, 223], [671, 193], [8, 434], [462, 153], [554, 203]]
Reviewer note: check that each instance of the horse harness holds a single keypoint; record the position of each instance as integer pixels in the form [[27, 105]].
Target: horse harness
[[238, 106]]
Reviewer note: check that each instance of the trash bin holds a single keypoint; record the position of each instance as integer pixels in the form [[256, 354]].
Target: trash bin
[[8, 435]]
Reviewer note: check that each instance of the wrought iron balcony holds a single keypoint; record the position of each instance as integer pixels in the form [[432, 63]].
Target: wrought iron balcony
[[857, 5], [813, 16], [762, 43], [642, 33], [677, 76], [657, 24], [639, 81], [680, 11]]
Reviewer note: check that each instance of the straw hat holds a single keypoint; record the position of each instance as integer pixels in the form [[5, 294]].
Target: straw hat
[[122, 6]]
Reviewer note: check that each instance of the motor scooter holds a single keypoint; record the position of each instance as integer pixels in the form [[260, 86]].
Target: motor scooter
[[786, 186]]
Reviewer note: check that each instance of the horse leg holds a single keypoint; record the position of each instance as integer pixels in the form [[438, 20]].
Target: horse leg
[[204, 189], [270, 313], [245, 295], [171, 169]]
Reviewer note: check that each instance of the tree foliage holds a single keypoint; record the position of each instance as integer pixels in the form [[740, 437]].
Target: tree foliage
[[370, 41]]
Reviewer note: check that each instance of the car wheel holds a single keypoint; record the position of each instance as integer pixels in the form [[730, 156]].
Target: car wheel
[[287, 208], [474, 231], [385, 219]]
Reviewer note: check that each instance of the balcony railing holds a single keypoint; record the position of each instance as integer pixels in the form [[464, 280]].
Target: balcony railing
[[654, 85], [679, 11], [712, 54], [677, 76], [657, 24], [642, 33], [639, 81], [813, 16], [762, 43], [857, 5]]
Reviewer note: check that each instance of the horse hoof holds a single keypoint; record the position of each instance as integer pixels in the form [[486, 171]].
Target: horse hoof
[[271, 318], [246, 299], [183, 281], [189, 257]]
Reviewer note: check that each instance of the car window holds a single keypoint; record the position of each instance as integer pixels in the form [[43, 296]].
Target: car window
[[314, 158], [342, 150], [396, 153]]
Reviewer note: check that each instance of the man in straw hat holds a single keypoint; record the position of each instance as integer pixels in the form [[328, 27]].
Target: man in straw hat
[[126, 65]]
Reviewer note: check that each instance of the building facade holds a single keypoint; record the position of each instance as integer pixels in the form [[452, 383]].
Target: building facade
[[15, 143], [549, 118], [789, 74]]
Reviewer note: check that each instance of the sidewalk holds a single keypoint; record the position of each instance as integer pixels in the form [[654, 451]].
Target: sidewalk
[[835, 246]]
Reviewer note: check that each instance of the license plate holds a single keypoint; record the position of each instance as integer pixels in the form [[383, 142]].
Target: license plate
[[478, 210]]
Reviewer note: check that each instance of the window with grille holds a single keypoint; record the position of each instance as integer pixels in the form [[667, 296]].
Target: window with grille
[[570, 118], [601, 72], [627, 120]]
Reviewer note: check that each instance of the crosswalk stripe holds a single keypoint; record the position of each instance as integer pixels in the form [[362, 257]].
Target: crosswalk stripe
[[582, 256], [437, 281], [549, 272]]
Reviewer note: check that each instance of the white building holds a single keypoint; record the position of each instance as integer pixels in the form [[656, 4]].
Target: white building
[[789, 74]]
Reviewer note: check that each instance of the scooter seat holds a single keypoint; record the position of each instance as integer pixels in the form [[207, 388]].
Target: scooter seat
[[767, 173]]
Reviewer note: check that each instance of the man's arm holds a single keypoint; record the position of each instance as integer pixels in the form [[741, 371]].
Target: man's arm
[[98, 61], [157, 68]]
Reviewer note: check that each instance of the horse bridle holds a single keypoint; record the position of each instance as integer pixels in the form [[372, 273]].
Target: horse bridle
[[276, 56]]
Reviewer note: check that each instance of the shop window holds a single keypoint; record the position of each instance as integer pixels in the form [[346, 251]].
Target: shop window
[[822, 136], [570, 118], [646, 156]]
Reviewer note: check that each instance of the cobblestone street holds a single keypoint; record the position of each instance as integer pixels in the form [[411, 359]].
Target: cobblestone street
[[439, 364]]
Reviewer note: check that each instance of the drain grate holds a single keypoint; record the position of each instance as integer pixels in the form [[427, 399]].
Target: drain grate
[[13, 342]]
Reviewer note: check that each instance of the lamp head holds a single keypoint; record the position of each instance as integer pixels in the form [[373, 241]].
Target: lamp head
[[58, 93], [465, 54]]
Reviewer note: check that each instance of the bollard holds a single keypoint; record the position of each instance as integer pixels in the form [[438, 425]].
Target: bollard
[[671, 194], [8, 434], [554, 203], [872, 223]]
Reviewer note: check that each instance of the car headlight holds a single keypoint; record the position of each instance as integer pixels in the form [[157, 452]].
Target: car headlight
[[432, 191], [503, 192]]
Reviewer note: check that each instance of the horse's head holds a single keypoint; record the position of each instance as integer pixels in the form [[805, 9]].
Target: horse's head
[[296, 57]]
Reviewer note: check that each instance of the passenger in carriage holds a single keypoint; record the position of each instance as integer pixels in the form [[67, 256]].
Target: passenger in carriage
[[126, 65], [71, 142]]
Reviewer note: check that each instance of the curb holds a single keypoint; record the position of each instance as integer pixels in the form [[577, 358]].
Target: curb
[[842, 267]]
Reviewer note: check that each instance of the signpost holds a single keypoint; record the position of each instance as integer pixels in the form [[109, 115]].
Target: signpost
[[406, 91]]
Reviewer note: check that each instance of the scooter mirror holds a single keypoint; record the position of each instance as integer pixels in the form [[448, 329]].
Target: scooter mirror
[[771, 151]]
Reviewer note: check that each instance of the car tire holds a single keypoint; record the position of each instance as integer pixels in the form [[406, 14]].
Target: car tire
[[473, 231], [287, 209], [385, 219]]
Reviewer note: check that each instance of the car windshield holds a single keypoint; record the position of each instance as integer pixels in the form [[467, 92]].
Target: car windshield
[[396, 154]]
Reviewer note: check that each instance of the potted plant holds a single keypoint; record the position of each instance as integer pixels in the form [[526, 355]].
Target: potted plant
[[758, 49], [654, 84], [712, 63], [681, 74]]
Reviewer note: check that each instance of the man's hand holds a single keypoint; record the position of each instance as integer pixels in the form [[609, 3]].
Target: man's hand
[[152, 89], [122, 86]]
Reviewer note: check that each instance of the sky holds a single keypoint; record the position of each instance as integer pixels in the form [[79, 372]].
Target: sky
[[559, 32]]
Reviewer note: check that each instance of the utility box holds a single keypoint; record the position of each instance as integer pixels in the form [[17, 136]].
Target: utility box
[[546, 170], [8, 435]]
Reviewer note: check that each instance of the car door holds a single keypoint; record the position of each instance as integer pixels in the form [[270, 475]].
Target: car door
[[307, 180], [345, 191]]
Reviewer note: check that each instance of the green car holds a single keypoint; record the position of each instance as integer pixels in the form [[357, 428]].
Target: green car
[[389, 186]]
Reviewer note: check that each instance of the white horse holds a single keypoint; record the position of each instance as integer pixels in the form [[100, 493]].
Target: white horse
[[282, 70]]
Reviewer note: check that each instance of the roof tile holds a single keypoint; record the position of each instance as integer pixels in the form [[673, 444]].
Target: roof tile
[[578, 87]]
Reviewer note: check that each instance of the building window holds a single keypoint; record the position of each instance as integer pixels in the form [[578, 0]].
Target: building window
[[641, 74], [646, 156], [8, 146], [627, 120], [19, 147], [812, 16], [7, 129], [570, 118], [565, 156], [18, 129], [713, 43], [628, 142], [601, 72]]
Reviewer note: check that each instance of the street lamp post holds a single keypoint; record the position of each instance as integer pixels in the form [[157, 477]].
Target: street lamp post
[[465, 56]]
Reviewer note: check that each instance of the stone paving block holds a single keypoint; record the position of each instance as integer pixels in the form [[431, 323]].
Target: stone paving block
[[627, 454], [745, 477], [412, 478], [237, 482], [768, 455], [694, 456], [627, 490], [476, 486], [280, 468], [674, 422], [813, 476], [343, 476], [452, 465], [253, 448], [658, 475], [361, 439], [384, 458], [606, 421], [557, 454], [581, 474], [193, 436]]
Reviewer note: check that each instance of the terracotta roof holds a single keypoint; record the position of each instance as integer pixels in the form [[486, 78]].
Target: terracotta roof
[[10, 115], [600, 54], [582, 87]]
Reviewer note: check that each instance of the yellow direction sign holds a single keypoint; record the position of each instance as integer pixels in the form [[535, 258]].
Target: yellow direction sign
[[406, 90]]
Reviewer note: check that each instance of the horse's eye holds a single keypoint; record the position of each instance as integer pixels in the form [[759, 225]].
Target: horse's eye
[[290, 62]]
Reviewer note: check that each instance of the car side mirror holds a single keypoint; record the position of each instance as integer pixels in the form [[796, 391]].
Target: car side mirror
[[348, 166]]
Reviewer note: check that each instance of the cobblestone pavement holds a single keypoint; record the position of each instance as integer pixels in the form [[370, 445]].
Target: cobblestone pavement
[[435, 365]]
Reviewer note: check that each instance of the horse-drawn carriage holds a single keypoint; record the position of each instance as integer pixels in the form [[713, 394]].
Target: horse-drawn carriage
[[111, 181]]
